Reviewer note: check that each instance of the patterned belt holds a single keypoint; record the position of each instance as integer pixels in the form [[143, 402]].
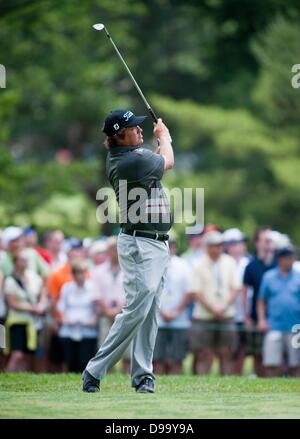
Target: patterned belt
[[156, 236]]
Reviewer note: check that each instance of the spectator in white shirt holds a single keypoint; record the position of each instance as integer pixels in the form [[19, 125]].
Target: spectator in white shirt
[[78, 308], [235, 245], [173, 334], [98, 252], [215, 285], [108, 279], [2, 300]]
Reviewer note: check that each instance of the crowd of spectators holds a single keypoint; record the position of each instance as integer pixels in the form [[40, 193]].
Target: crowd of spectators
[[58, 300]]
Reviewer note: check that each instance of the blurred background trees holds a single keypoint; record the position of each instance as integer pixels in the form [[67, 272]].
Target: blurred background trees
[[219, 72]]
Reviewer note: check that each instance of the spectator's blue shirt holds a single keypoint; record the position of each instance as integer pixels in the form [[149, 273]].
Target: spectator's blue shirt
[[282, 296], [253, 274]]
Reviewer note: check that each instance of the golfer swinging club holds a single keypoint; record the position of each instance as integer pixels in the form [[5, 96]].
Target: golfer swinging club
[[142, 247]]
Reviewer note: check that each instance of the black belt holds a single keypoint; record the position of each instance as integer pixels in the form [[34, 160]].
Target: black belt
[[156, 236]]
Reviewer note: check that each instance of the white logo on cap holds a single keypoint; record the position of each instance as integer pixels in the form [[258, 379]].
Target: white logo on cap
[[128, 115], [116, 126]]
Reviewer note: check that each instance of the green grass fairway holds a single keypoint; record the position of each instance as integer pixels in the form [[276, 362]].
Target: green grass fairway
[[60, 396]]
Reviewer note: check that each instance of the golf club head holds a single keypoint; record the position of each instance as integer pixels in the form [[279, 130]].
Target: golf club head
[[98, 26]]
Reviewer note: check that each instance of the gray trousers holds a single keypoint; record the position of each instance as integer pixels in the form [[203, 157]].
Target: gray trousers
[[144, 264]]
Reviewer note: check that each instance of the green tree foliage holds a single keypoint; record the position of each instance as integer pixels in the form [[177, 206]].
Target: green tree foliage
[[61, 78], [277, 50], [49, 195], [240, 162]]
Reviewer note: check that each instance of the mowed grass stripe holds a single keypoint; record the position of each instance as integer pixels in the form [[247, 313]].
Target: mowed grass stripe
[[60, 396]]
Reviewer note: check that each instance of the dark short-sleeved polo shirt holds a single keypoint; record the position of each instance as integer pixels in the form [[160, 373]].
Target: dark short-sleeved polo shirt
[[253, 275], [135, 175]]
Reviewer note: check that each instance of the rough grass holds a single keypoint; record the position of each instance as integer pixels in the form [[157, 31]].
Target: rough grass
[[60, 396]]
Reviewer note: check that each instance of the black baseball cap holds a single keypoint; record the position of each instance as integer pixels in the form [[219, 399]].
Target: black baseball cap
[[118, 119], [286, 252]]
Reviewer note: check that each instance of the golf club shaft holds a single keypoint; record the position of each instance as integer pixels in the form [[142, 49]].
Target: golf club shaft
[[153, 115]]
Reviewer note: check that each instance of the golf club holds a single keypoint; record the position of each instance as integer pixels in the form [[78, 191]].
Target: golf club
[[99, 27]]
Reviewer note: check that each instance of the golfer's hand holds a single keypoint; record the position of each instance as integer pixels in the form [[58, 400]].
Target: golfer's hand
[[161, 130]]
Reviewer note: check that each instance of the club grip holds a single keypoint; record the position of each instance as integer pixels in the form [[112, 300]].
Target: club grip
[[153, 115]]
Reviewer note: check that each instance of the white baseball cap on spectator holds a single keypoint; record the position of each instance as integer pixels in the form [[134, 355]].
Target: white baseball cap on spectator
[[233, 235], [11, 233], [87, 242], [213, 238], [280, 240], [99, 246]]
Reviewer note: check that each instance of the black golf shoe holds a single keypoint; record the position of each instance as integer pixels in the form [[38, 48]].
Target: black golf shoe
[[145, 386], [90, 384]]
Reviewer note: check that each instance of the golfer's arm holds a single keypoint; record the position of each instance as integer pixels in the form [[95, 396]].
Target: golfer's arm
[[165, 149]]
